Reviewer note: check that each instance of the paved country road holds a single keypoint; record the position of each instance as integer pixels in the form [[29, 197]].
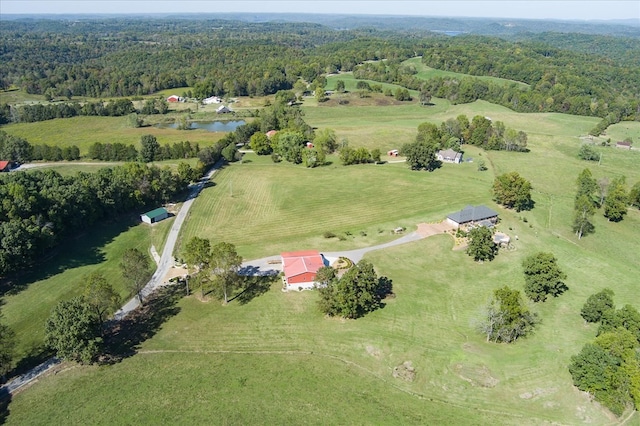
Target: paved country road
[[166, 261]]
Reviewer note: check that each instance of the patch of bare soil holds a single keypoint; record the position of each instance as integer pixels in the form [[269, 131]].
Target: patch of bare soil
[[428, 229], [478, 375], [176, 271], [405, 371], [373, 351], [538, 392]]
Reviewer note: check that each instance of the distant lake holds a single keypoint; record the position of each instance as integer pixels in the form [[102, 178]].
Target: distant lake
[[212, 126], [449, 33]]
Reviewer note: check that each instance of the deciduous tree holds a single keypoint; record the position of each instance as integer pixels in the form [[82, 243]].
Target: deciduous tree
[[634, 195], [543, 277], [73, 331], [587, 185], [481, 246], [225, 263], [512, 191], [588, 153], [615, 204], [100, 295], [149, 148], [596, 305], [135, 270], [507, 317], [260, 144], [356, 293], [583, 212]]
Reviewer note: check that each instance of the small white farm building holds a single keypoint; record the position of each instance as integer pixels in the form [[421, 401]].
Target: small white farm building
[[155, 215]]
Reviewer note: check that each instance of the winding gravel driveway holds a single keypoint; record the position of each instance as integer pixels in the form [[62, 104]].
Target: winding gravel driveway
[[165, 263]]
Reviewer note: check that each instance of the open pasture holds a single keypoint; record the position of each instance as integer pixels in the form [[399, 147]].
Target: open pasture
[[426, 73], [279, 357], [264, 208], [84, 131]]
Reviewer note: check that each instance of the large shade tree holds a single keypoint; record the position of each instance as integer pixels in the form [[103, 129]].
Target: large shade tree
[[507, 317], [512, 191], [73, 330], [481, 245], [543, 277], [353, 295]]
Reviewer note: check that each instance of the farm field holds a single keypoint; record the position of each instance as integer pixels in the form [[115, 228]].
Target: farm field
[[84, 131], [279, 358]]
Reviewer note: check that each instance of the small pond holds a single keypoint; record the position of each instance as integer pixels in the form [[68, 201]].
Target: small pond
[[212, 126]]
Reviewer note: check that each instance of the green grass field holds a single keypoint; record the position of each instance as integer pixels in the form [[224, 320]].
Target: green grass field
[[277, 360], [61, 276], [85, 131], [265, 208]]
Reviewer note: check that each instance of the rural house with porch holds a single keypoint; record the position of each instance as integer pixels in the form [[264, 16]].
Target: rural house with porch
[[470, 215]]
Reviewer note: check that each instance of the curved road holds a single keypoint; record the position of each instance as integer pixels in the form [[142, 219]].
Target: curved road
[[166, 260]]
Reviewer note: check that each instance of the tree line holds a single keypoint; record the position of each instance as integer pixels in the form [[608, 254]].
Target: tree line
[[18, 150], [609, 367], [40, 208]]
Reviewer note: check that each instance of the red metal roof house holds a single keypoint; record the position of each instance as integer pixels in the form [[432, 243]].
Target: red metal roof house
[[300, 268], [5, 166]]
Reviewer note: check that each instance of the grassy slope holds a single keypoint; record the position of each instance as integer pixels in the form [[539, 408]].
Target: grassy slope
[[431, 322], [61, 277]]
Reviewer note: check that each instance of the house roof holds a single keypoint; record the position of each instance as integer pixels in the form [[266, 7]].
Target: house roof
[[300, 262], [450, 154], [155, 213], [4, 164], [472, 214], [623, 143]]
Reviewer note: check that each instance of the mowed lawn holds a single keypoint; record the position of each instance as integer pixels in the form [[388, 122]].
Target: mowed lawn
[[278, 360], [265, 208]]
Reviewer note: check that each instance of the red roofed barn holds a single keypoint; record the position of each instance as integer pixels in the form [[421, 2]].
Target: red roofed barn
[[300, 268]]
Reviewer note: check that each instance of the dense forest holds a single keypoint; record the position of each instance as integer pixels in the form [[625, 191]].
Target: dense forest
[[594, 75]]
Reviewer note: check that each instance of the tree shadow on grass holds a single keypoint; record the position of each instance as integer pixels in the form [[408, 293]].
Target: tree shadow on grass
[[36, 356], [123, 338], [5, 400], [82, 249], [253, 286]]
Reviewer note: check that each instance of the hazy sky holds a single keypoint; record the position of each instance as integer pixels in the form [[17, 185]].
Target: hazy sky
[[576, 9]]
